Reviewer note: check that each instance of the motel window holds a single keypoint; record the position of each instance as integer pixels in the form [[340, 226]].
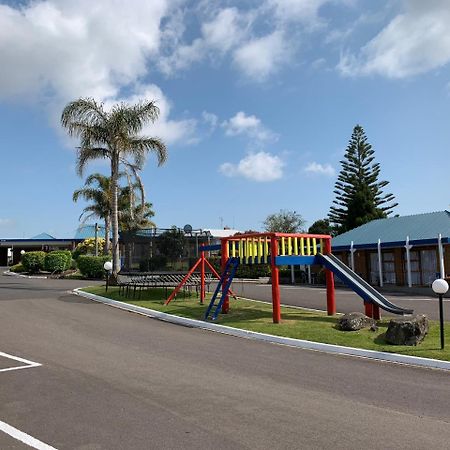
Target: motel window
[[428, 262]]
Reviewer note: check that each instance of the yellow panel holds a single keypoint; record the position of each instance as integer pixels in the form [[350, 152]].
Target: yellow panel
[[266, 249], [308, 246], [314, 246], [302, 246], [289, 243], [233, 249], [260, 248], [283, 253], [321, 246], [295, 246]]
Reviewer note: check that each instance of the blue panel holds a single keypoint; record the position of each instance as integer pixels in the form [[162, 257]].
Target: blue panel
[[295, 260]]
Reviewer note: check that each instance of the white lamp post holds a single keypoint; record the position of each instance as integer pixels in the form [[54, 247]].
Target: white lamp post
[[108, 268], [440, 287]]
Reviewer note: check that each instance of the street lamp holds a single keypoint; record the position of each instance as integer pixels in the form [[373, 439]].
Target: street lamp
[[108, 268], [440, 287]]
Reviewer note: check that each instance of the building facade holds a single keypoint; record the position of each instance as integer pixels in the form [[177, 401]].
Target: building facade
[[403, 251]]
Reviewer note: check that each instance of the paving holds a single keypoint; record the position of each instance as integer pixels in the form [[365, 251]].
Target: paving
[[116, 380]]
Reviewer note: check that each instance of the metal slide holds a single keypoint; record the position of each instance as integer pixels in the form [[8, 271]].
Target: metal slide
[[360, 286]]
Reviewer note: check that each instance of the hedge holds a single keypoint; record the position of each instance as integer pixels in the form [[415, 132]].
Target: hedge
[[92, 266], [33, 261], [58, 261], [17, 268]]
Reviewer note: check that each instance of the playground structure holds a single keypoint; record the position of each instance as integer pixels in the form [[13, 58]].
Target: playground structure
[[283, 249]]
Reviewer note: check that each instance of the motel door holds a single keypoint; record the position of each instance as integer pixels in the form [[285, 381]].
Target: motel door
[[428, 264], [388, 267]]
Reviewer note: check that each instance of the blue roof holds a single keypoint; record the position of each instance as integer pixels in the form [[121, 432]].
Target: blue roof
[[42, 237], [88, 231], [419, 227]]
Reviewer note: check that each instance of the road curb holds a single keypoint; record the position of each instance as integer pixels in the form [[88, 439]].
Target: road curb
[[14, 274], [299, 343]]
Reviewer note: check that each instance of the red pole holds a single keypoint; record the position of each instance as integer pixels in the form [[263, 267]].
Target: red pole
[[202, 277], [376, 312], [175, 292], [276, 309], [225, 256], [368, 309], [331, 294]]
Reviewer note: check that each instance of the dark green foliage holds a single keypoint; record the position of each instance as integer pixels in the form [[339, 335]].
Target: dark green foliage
[[92, 266], [17, 268], [252, 271], [284, 222], [156, 263], [322, 226], [33, 261], [58, 261], [359, 194], [171, 243]]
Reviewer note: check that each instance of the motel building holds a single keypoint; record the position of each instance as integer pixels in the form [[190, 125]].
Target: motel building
[[398, 251]]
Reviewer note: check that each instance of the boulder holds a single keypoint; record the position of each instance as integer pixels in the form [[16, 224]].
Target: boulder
[[409, 330], [355, 321]]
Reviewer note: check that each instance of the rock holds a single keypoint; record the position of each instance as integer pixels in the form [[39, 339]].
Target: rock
[[373, 328], [407, 330], [355, 321]]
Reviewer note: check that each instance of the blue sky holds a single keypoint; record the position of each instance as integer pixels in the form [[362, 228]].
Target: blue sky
[[258, 101]]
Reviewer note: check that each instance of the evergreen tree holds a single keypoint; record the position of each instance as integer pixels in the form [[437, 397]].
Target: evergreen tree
[[359, 193]]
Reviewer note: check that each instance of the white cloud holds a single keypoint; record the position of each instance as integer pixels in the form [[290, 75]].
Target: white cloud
[[261, 167], [168, 130], [320, 169], [414, 42], [56, 50], [210, 119], [262, 57], [249, 125], [7, 223], [297, 10]]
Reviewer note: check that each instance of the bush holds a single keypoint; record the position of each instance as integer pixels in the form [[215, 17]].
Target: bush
[[252, 271], [33, 261], [92, 266], [156, 263], [57, 261], [87, 247], [17, 268]]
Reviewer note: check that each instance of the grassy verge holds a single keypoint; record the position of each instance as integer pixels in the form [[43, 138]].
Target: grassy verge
[[296, 323]]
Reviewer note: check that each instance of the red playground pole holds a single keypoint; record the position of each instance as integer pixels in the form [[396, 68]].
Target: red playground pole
[[276, 310], [202, 277], [225, 256], [331, 295]]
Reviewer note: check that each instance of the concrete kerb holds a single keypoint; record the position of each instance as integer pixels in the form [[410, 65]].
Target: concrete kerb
[[14, 274], [299, 343]]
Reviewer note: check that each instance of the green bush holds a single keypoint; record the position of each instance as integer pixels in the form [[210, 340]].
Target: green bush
[[57, 261], [17, 268], [33, 261], [92, 266]]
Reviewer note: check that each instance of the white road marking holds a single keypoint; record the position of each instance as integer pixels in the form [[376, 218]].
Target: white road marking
[[29, 364], [23, 437]]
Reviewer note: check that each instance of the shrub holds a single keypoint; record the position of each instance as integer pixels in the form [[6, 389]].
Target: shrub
[[87, 247], [33, 261], [92, 266], [57, 261], [245, 270], [17, 268]]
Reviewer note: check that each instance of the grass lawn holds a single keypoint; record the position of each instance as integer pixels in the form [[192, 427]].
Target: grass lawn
[[296, 323]]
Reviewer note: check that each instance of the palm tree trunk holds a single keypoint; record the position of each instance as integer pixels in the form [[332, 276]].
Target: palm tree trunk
[[115, 215], [107, 248]]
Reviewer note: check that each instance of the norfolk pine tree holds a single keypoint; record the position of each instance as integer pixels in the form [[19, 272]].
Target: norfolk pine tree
[[359, 193]]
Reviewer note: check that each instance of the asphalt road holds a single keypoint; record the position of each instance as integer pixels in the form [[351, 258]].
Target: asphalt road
[[346, 300], [116, 380]]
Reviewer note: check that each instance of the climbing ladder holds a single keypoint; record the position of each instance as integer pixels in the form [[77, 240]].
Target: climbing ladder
[[223, 287]]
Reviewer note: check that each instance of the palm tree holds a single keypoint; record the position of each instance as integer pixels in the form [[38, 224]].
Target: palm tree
[[100, 198], [113, 135]]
